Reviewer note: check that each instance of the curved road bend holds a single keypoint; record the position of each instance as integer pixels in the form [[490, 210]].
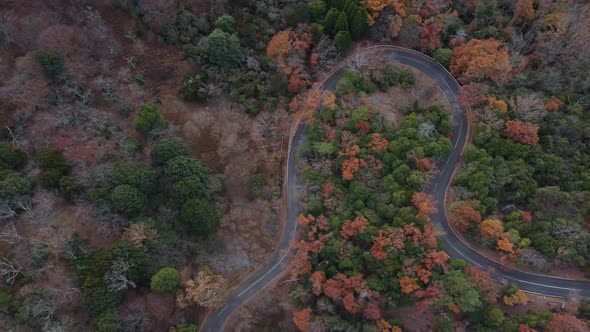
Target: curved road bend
[[454, 246]]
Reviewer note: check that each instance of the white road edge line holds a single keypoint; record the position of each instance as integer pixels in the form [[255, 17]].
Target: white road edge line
[[222, 310]]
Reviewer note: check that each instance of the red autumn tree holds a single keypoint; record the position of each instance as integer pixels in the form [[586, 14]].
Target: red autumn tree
[[297, 81], [425, 204], [372, 311], [465, 215], [352, 228], [317, 280], [363, 126], [430, 35], [566, 323], [524, 11], [525, 328], [424, 165], [522, 132], [429, 237], [379, 244], [434, 259], [301, 319], [327, 190], [553, 104], [377, 143], [482, 280], [473, 94], [333, 289], [480, 59]]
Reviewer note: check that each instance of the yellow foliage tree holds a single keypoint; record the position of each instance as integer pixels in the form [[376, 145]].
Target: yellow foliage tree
[[491, 229], [517, 298], [497, 105]]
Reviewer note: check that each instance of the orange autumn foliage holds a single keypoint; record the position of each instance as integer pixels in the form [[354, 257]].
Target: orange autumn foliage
[[373, 8], [351, 166], [379, 244], [553, 104], [279, 45], [454, 308], [333, 289], [304, 221], [425, 204], [363, 126], [377, 143], [505, 245], [424, 165], [434, 259], [491, 229], [301, 319], [352, 228], [327, 190], [525, 328], [480, 59], [400, 7], [408, 285], [524, 11], [317, 279], [565, 323], [422, 273], [482, 280], [430, 35], [522, 132], [517, 298], [429, 237], [498, 105], [465, 215], [297, 80]]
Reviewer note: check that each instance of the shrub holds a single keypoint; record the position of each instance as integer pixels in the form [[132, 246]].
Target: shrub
[[167, 149], [52, 159], [443, 56], [128, 200], [13, 183], [166, 281], [50, 178], [97, 298], [106, 322], [137, 175], [256, 186], [189, 187], [185, 166], [317, 10], [69, 187], [52, 63], [226, 23], [185, 328], [194, 87], [342, 41], [199, 217], [223, 48], [149, 118], [10, 157]]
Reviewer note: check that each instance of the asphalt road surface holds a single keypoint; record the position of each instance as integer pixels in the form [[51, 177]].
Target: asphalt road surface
[[453, 245]]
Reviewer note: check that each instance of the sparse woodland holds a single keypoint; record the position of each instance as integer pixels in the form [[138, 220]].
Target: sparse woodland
[[115, 217]]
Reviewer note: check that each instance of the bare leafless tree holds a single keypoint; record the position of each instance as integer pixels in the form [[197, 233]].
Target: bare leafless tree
[[10, 269], [9, 234], [116, 278], [42, 210]]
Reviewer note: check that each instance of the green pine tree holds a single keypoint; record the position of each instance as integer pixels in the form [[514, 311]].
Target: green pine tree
[[341, 23]]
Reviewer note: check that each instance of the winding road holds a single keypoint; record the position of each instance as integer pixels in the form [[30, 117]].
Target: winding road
[[453, 245]]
